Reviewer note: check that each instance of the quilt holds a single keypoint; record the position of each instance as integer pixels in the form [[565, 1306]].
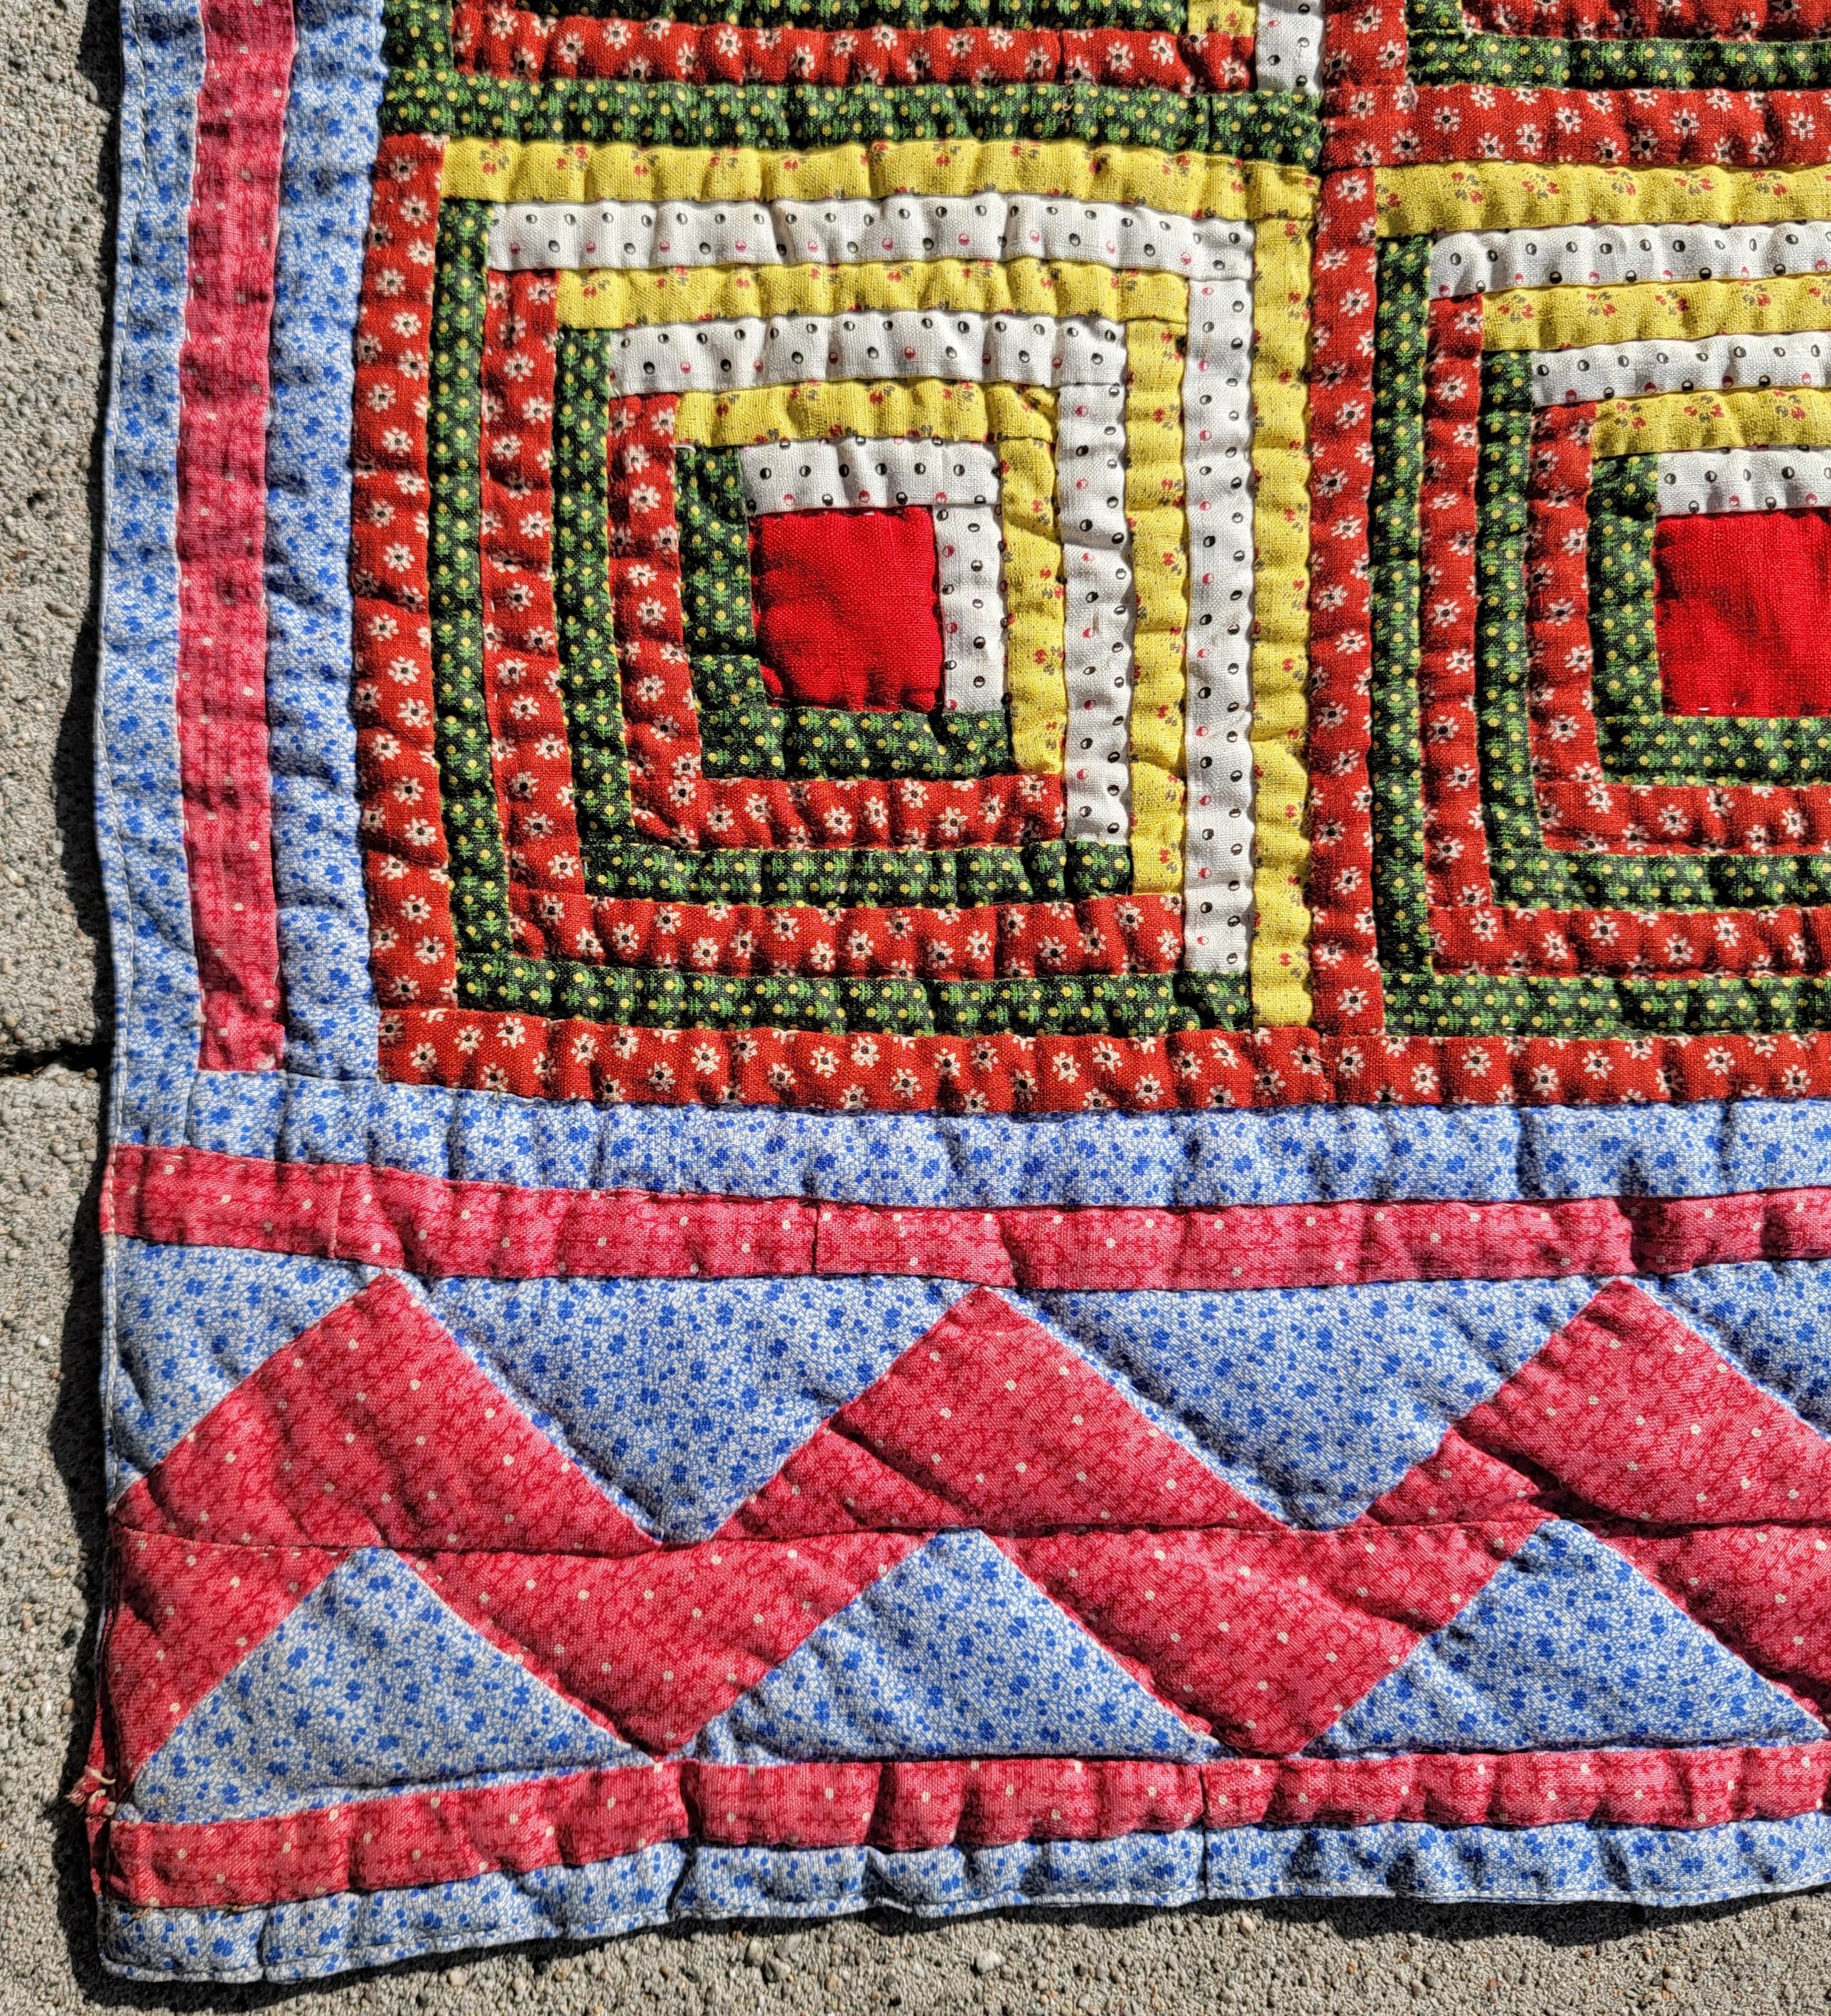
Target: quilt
[[971, 864]]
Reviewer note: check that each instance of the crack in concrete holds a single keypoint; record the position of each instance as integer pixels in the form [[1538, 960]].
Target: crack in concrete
[[91, 1057]]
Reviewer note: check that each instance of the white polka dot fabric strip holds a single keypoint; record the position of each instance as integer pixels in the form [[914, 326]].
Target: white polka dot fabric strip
[[958, 347], [641, 236], [1720, 363], [855, 475], [1218, 840], [1287, 45], [969, 587], [1692, 481], [1102, 611], [1478, 262], [958, 481]]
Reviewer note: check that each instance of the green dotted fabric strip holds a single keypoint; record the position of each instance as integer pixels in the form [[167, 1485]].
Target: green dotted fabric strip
[[1119, 1004], [590, 679], [426, 94], [740, 731], [1639, 740], [872, 877], [1480, 1005], [1417, 999], [1401, 910], [1441, 52], [1625, 685], [1527, 874], [1518, 861], [744, 733], [828, 742]]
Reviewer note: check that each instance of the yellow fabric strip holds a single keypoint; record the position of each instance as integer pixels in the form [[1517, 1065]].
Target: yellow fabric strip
[[606, 300], [1222, 17], [1159, 568], [1799, 417], [1279, 963], [1185, 185], [1568, 317], [1021, 420], [1500, 195]]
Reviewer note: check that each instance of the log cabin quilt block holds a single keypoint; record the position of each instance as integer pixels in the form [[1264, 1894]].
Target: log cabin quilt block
[[974, 1038]]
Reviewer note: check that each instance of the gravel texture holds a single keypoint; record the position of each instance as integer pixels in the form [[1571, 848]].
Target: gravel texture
[[58, 78]]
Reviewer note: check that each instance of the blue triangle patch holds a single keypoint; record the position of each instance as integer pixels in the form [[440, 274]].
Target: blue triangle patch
[[186, 1335], [1568, 1647], [372, 1685], [954, 1653], [1773, 1318], [687, 1396], [1313, 1401]]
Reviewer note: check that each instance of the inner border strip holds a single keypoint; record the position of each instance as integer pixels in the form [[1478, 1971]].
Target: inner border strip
[[442, 1228]]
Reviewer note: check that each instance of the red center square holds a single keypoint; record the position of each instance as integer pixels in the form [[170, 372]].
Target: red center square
[[1741, 610], [847, 614]]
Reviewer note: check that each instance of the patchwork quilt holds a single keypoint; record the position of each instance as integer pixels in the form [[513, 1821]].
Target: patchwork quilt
[[972, 874]]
